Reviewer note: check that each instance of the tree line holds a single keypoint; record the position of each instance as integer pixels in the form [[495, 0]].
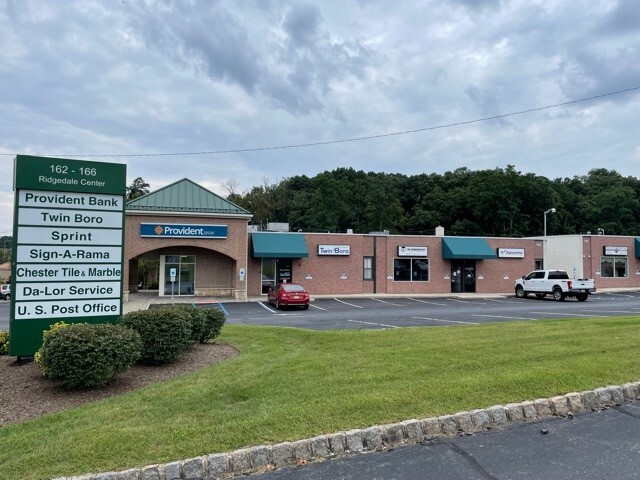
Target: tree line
[[498, 202]]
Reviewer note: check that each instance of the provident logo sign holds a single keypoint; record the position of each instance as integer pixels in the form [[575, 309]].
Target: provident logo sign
[[173, 230]]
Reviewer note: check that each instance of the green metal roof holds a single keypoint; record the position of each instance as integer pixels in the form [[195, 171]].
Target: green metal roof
[[637, 247], [454, 248], [279, 245], [185, 196]]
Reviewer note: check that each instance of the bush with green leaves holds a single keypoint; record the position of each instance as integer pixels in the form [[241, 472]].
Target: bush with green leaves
[[195, 316], [4, 342], [206, 323], [214, 320], [165, 333], [86, 355]]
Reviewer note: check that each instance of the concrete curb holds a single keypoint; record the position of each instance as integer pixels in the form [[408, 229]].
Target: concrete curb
[[263, 458]]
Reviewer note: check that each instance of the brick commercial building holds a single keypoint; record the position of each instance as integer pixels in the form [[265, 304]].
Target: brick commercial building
[[205, 245]]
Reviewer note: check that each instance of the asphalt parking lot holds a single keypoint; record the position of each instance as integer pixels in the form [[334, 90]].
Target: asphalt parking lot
[[396, 312], [586, 447]]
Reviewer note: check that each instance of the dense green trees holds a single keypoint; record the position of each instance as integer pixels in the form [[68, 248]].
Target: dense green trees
[[498, 202]]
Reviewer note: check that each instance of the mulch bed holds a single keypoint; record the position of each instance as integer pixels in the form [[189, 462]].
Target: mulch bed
[[26, 394]]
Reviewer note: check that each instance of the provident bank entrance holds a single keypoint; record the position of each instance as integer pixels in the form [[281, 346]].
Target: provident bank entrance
[[198, 238]]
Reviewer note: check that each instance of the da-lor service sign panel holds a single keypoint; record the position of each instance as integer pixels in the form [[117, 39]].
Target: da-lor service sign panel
[[68, 244]]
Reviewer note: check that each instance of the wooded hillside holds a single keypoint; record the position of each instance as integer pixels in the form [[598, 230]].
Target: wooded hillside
[[499, 202]]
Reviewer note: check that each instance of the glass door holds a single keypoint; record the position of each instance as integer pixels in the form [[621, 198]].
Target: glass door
[[463, 276], [179, 274], [268, 274]]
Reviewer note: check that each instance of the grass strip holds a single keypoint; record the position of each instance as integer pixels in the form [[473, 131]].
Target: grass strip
[[289, 384]]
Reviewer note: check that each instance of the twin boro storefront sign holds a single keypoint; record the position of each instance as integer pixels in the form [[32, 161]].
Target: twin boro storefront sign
[[68, 244]]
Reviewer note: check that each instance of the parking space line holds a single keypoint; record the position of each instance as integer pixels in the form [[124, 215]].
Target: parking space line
[[497, 300], [614, 311], [570, 314], [500, 316], [446, 321], [346, 303], [388, 303], [466, 301], [376, 324], [426, 301], [621, 295], [265, 307], [224, 310], [319, 308]]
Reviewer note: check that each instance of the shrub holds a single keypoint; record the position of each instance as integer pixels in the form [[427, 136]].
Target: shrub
[[165, 333], [4, 342], [195, 316], [214, 320], [206, 323], [85, 356]]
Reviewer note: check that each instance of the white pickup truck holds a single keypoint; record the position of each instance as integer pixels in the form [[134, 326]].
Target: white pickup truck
[[556, 283]]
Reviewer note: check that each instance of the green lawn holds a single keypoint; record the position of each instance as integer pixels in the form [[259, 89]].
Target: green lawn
[[289, 384]]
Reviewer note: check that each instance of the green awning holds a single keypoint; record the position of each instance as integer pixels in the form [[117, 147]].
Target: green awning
[[279, 245], [637, 247], [455, 248]]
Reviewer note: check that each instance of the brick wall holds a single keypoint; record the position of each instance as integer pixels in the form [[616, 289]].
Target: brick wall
[[326, 274], [218, 261], [593, 252]]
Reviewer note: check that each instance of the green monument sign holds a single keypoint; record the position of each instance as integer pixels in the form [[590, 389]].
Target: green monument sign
[[68, 239]]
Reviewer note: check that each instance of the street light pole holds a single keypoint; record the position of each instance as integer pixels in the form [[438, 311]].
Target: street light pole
[[551, 210]]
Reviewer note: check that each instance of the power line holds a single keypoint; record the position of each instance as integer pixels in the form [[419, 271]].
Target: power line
[[347, 140]]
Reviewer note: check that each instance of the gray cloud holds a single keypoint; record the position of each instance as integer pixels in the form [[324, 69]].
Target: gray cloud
[[623, 18], [302, 24], [204, 37]]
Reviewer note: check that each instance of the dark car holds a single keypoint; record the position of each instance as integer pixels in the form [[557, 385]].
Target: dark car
[[288, 294]]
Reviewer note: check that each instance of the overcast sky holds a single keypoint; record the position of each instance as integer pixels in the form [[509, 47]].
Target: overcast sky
[[100, 77]]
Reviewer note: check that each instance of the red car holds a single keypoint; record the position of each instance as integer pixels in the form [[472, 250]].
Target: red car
[[286, 294]]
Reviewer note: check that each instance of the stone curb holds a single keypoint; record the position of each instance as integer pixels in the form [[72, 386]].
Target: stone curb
[[222, 466]]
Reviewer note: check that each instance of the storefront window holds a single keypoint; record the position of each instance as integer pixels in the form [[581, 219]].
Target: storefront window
[[411, 269], [368, 268], [420, 270], [613, 267]]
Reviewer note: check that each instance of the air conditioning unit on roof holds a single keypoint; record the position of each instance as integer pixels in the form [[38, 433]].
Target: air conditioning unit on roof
[[277, 227]]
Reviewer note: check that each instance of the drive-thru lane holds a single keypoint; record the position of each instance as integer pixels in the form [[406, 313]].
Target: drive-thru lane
[[588, 446], [393, 312]]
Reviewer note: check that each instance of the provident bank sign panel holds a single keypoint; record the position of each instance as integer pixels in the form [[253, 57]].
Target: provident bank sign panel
[[68, 244]]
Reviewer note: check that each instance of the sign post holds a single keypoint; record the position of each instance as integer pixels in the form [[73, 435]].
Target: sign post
[[68, 241], [172, 274]]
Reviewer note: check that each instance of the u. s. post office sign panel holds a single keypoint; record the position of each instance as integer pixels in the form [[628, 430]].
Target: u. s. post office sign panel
[[68, 246], [174, 230]]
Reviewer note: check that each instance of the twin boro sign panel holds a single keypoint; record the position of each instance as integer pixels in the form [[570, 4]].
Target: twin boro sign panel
[[68, 244]]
